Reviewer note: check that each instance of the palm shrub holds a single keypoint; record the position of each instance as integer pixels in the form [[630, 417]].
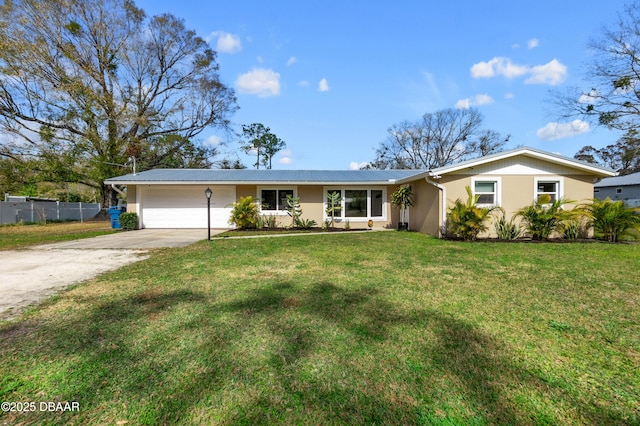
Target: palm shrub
[[467, 220], [543, 217], [612, 219], [507, 229], [244, 214]]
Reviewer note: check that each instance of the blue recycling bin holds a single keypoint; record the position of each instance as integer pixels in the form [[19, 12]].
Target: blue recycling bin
[[115, 213]]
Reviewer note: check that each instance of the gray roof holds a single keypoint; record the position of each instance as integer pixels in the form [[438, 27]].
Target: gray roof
[[233, 176], [310, 177], [632, 179]]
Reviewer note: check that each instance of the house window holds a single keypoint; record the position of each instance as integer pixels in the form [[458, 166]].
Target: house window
[[551, 187], [355, 203], [358, 204], [618, 190], [487, 190], [272, 200]]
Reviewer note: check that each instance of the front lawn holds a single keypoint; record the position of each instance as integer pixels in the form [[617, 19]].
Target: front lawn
[[20, 236], [353, 328]]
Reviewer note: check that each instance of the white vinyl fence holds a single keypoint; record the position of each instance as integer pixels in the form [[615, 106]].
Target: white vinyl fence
[[43, 211]]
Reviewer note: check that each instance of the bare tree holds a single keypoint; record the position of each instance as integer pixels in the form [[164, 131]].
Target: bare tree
[[612, 97], [92, 82], [436, 140]]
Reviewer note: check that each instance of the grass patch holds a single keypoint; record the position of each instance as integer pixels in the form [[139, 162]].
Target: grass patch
[[20, 236], [375, 328]]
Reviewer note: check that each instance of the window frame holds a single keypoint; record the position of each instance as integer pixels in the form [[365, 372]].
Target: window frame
[[281, 211], [497, 193], [558, 180], [343, 208]]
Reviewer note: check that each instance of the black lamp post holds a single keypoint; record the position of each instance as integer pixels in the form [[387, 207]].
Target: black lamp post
[[207, 193]]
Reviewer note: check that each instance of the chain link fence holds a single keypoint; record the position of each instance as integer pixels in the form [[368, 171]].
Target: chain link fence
[[43, 211]]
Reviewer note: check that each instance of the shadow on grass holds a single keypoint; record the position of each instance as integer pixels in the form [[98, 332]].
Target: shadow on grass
[[134, 353]]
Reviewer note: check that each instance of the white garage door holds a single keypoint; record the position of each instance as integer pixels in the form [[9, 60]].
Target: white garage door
[[185, 206]]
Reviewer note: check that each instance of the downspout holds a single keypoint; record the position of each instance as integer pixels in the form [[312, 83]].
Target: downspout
[[119, 191], [443, 192]]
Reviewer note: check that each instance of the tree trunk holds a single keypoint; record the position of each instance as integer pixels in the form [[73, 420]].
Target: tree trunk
[[109, 196]]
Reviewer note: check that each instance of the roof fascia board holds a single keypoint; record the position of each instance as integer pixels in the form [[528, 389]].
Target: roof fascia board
[[531, 153], [257, 182], [423, 175]]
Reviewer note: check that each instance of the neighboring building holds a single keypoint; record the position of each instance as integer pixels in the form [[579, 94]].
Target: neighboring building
[[626, 188], [174, 198]]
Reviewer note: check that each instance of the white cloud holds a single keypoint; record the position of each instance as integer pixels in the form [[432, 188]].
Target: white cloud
[[227, 43], [213, 140], [260, 82], [533, 43], [292, 60], [551, 73], [509, 95], [553, 131], [467, 103], [354, 165], [304, 83], [285, 158], [259, 59], [497, 66], [463, 104], [323, 86]]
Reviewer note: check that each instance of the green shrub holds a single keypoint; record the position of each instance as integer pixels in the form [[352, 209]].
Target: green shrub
[[466, 219], [507, 230], [244, 214], [613, 219], [128, 221]]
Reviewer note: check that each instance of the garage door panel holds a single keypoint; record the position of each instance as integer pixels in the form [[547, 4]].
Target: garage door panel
[[185, 207]]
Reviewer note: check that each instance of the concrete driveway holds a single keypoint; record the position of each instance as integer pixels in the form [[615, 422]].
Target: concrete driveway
[[35, 273], [141, 239]]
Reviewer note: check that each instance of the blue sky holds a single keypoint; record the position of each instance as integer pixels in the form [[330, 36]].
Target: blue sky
[[330, 77]]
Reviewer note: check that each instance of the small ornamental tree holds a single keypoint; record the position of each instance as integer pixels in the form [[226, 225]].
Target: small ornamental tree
[[293, 209], [403, 198], [334, 205]]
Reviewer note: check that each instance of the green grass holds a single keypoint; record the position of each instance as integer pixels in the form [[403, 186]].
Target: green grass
[[20, 236], [371, 328]]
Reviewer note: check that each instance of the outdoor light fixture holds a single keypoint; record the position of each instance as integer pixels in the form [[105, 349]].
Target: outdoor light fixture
[[207, 193]]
